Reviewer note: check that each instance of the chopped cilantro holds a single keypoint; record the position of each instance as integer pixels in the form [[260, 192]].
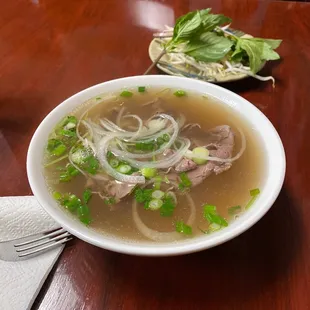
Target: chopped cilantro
[[182, 228], [143, 195]]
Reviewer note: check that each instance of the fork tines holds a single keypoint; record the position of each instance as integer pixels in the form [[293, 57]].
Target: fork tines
[[49, 239]]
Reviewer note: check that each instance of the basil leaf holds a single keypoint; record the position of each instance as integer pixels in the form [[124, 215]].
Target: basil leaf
[[269, 53], [210, 21], [209, 48], [185, 26], [254, 49]]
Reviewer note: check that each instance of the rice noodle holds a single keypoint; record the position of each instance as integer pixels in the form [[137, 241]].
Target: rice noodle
[[119, 116], [162, 236]]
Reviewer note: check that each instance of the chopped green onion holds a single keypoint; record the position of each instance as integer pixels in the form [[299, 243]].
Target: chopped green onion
[[166, 137], [254, 192], [98, 98], [56, 147], [157, 182], [87, 195], [149, 172], [82, 210], [155, 204], [67, 133], [57, 196], [160, 140], [182, 228], [143, 195], [124, 169], [214, 227], [141, 89], [71, 202], [185, 181], [114, 163], [157, 194], [211, 215], [200, 152], [126, 93], [72, 171], [141, 146], [92, 164], [79, 156], [179, 93], [168, 206], [234, 210]]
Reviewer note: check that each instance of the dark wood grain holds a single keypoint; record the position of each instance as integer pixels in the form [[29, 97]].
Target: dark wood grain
[[50, 49]]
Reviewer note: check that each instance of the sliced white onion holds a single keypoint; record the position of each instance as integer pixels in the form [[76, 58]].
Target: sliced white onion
[[165, 146], [162, 236], [102, 150]]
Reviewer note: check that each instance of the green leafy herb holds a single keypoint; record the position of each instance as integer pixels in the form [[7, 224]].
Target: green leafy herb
[[234, 210], [179, 93], [141, 89], [87, 195], [182, 228], [126, 94], [71, 202], [56, 147], [203, 39], [211, 215], [209, 48], [168, 206], [185, 181]]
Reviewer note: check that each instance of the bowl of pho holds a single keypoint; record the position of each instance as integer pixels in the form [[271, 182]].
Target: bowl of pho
[[156, 165]]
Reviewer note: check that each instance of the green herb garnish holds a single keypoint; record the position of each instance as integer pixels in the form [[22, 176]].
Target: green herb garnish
[[87, 195], [211, 215], [143, 195], [168, 206], [254, 193], [56, 147], [183, 228], [141, 89], [126, 94], [179, 93], [185, 181]]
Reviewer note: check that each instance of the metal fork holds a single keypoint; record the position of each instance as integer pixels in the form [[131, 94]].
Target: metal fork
[[33, 245]]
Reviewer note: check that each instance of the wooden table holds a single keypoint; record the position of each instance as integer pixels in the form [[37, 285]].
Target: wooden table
[[51, 49]]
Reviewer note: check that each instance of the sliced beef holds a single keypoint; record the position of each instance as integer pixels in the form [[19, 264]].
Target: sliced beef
[[118, 190], [185, 164], [221, 144]]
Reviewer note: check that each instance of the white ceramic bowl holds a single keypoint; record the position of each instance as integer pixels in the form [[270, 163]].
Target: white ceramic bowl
[[272, 185]]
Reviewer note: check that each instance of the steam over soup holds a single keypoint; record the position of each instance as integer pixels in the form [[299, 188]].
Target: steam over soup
[[157, 164]]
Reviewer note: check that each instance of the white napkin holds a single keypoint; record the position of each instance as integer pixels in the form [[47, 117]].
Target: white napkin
[[20, 282]]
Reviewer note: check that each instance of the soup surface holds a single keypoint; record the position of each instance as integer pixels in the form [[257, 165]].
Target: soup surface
[[138, 164]]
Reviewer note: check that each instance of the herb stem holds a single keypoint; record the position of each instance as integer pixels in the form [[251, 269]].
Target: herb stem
[[163, 52]]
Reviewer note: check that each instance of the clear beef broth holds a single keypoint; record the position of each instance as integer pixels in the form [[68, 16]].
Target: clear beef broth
[[230, 188]]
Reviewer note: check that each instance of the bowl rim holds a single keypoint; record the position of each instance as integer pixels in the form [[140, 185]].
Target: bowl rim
[[237, 227]]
